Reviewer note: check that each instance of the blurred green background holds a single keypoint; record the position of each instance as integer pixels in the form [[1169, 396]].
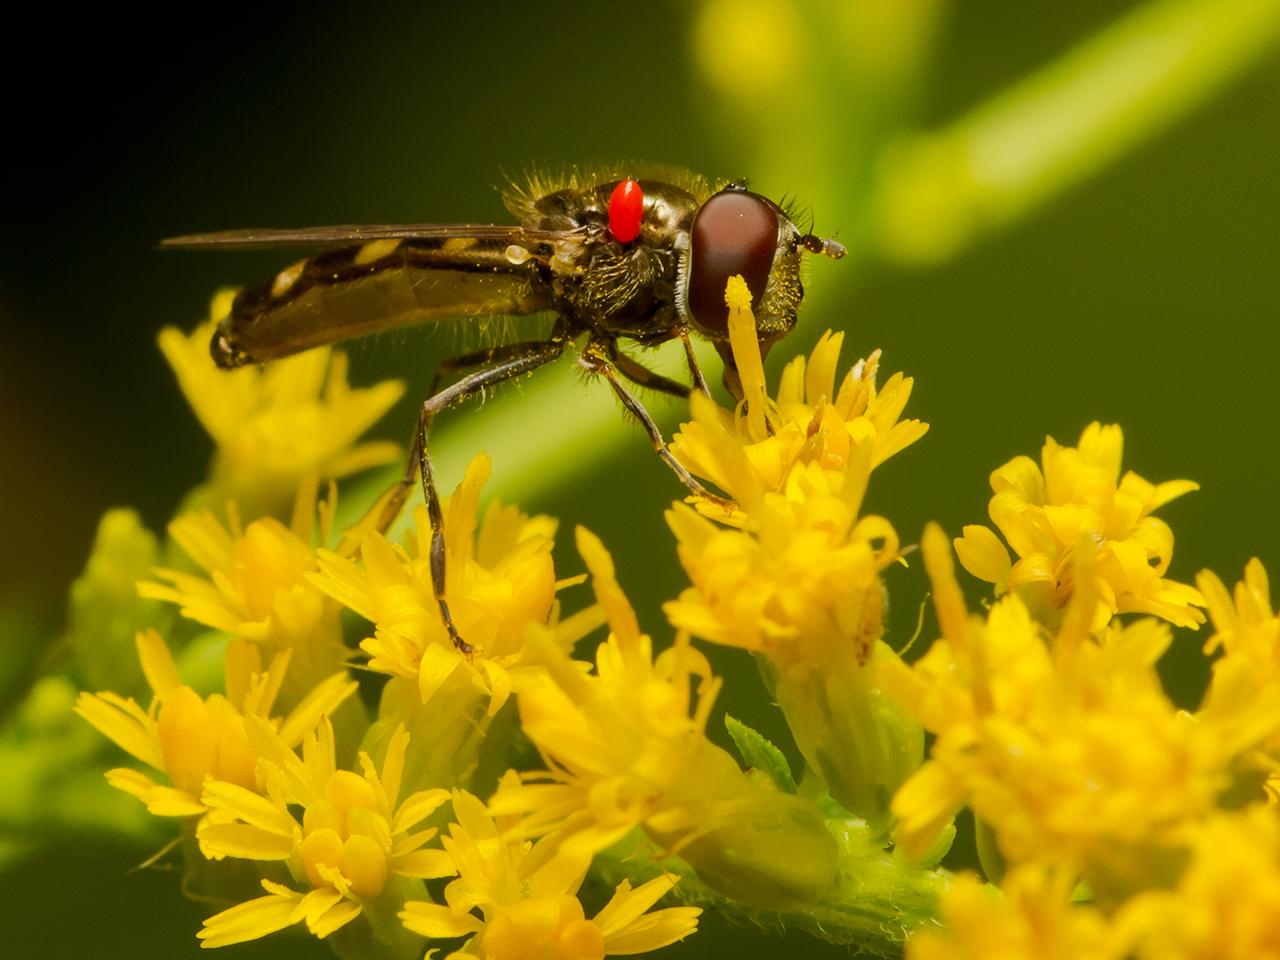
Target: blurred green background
[[1099, 243]]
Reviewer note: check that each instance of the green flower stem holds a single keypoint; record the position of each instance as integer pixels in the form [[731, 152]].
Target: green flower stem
[[1009, 156], [877, 901]]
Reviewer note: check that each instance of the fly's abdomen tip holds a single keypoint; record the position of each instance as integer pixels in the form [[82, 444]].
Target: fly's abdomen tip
[[224, 354]]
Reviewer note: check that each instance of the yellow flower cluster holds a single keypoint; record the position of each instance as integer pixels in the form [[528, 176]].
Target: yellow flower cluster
[[792, 573], [528, 898], [1111, 823], [627, 747], [274, 426], [191, 739], [1030, 917], [1062, 741], [1076, 495], [1065, 744], [254, 584], [1246, 678], [500, 581], [344, 837], [1225, 905]]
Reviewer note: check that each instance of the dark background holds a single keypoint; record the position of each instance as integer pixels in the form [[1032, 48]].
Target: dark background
[[1144, 296]]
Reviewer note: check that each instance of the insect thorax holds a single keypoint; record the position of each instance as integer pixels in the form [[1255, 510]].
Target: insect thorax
[[614, 288]]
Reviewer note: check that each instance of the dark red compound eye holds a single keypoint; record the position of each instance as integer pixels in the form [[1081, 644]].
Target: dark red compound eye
[[626, 209], [735, 232]]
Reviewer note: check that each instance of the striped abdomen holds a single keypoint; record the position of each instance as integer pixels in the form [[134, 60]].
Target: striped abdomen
[[380, 285]]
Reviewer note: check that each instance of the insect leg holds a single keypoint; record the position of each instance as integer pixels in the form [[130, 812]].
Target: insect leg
[[384, 512], [481, 358], [641, 375], [695, 371], [505, 363], [597, 363]]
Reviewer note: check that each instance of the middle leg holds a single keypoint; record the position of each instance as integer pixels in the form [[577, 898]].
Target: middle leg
[[384, 511], [515, 361], [595, 359]]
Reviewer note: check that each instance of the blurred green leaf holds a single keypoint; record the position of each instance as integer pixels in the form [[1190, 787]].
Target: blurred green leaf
[[939, 192]]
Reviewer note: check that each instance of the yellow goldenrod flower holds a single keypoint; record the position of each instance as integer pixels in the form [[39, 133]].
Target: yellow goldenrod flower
[[812, 421], [528, 901], [191, 739], [626, 747], [801, 587], [1031, 918], [500, 580], [1066, 747], [1245, 689], [346, 838], [256, 585], [1225, 906], [1077, 493], [1244, 625], [795, 578], [277, 424]]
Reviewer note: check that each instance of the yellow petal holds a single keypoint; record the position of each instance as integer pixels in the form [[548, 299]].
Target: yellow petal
[[654, 931], [157, 662], [745, 343], [250, 807], [924, 805], [983, 555], [248, 921], [820, 378], [626, 905], [436, 667], [326, 911], [393, 765], [246, 842], [437, 922], [161, 800], [1021, 476], [322, 700], [1104, 446], [948, 599], [417, 808], [124, 723], [426, 864]]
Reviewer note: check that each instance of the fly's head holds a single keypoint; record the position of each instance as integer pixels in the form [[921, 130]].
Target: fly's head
[[737, 232]]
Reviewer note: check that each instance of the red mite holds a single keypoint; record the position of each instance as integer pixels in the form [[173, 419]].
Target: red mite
[[626, 208]]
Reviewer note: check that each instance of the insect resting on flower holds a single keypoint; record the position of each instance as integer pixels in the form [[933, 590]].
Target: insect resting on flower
[[612, 258]]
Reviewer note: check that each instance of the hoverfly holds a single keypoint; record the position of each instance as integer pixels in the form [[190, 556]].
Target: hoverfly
[[614, 258]]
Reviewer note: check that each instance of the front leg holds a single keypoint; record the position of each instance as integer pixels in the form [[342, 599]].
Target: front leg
[[594, 359], [641, 375]]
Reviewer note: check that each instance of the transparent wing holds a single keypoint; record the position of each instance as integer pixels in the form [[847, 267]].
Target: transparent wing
[[267, 238]]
